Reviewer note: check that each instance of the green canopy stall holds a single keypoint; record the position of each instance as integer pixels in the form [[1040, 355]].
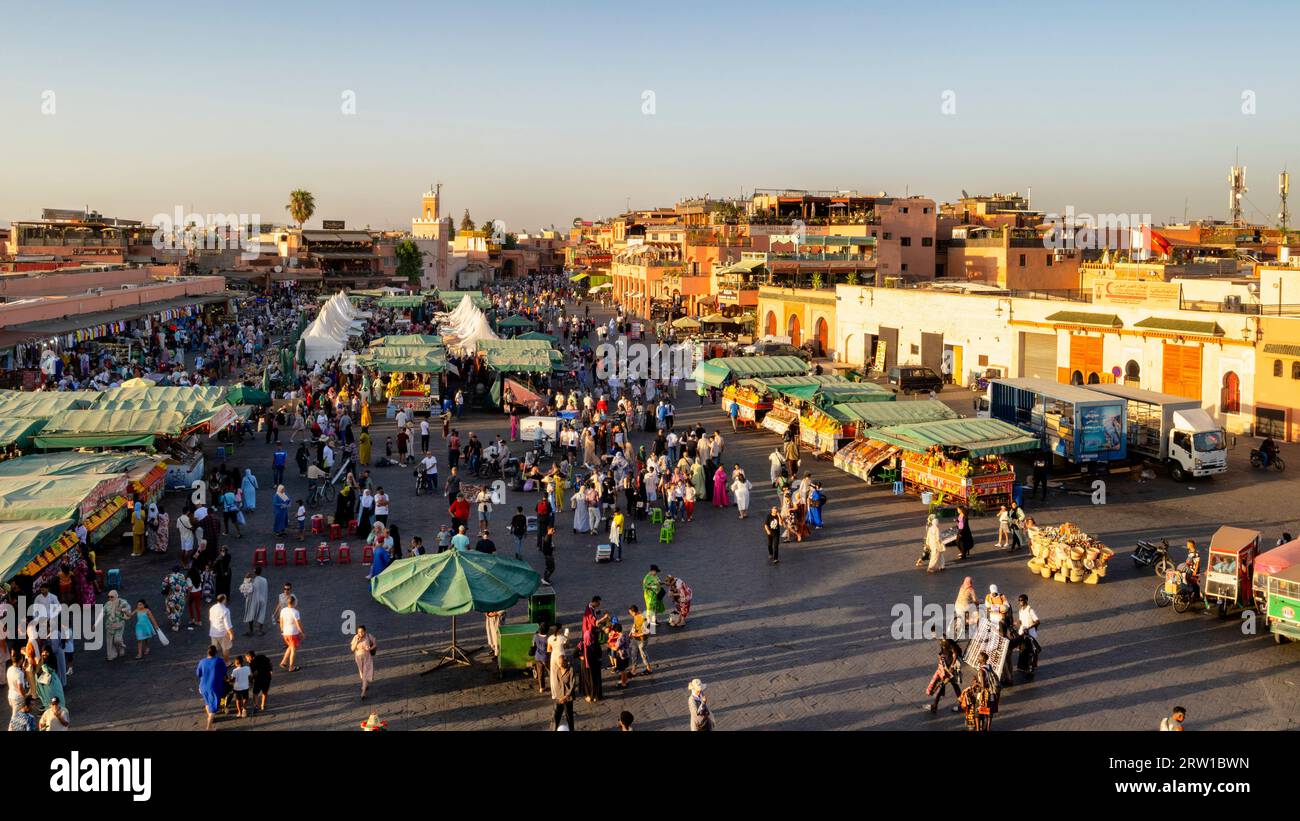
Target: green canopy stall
[[451, 584], [715, 373], [22, 541], [242, 395], [979, 437], [882, 414], [110, 428], [16, 430]]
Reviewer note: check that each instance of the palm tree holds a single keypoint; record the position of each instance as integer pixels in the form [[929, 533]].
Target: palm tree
[[301, 206]]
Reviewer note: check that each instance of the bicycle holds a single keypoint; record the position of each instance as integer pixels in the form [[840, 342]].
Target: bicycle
[[323, 492]]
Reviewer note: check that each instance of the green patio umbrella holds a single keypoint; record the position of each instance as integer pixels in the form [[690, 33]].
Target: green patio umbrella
[[453, 583]]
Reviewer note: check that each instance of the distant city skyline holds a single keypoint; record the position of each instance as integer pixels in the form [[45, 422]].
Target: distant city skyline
[[535, 114]]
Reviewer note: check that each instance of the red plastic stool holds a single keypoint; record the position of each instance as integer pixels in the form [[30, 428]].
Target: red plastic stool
[[317, 525], [322, 553], [336, 531], [280, 556], [345, 554], [368, 553], [352, 527], [300, 555], [259, 557]]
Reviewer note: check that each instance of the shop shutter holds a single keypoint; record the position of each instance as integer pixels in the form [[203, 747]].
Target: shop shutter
[[1181, 370]]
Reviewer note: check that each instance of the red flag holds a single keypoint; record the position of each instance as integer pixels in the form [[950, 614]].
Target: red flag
[[1157, 243]]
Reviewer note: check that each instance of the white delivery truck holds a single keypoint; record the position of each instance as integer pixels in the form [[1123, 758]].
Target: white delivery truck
[[1173, 430]]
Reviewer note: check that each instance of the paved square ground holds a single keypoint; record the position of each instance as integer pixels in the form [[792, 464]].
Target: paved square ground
[[803, 645]]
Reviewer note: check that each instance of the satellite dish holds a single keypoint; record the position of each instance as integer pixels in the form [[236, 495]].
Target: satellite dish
[[278, 269], [964, 195]]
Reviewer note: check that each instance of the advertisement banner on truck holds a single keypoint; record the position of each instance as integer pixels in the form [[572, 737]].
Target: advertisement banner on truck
[[1101, 429]]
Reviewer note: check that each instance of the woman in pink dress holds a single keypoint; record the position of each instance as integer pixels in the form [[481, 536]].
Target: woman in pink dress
[[720, 488]]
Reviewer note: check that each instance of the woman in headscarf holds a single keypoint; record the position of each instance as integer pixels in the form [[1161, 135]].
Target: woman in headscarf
[[682, 595], [581, 516], [48, 685], [138, 524], [280, 502], [698, 479], [816, 498], [364, 444], [162, 530], [740, 488], [176, 588], [366, 507], [249, 488], [151, 528], [966, 607], [345, 504], [720, 488], [116, 614], [221, 573], [933, 544]]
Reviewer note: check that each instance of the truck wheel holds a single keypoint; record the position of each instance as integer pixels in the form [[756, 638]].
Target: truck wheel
[[1278, 638], [1177, 473]]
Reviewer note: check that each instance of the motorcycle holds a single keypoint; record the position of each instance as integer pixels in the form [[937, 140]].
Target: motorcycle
[[1173, 591], [1153, 555], [1275, 461]]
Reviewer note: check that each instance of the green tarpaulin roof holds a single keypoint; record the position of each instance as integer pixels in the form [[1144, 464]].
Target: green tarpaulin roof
[[20, 542], [982, 437], [578, 277], [15, 430], [40, 404], [248, 396], [517, 355], [213, 395], [453, 298], [1085, 318], [716, 372], [401, 302], [45, 497], [539, 336], [406, 359], [880, 414], [408, 339], [1184, 326], [111, 428], [71, 464], [834, 393], [516, 321]]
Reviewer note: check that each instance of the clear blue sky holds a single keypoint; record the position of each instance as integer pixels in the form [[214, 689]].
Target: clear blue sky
[[531, 112]]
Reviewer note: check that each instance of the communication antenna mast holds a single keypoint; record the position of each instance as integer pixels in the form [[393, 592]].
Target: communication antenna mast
[[1284, 188], [1236, 190]]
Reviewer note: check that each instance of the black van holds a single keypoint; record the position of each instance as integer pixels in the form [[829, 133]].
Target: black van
[[910, 378]]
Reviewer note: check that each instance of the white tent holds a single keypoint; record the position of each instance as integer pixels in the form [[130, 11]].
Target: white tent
[[328, 333], [467, 325]]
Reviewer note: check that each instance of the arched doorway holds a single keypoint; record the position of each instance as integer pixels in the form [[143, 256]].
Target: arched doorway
[[1132, 372], [846, 348], [1094, 378], [1230, 396], [769, 327], [792, 330], [823, 336], [1076, 378], [508, 269]]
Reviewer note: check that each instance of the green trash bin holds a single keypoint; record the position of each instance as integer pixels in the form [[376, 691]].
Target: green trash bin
[[541, 606], [516, 647]]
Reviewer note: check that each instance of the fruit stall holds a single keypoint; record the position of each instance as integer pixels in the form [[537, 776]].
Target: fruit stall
[[862, 456], [753, 400], [958, 458], [977, 482], [782, 416], [822, 431], [1067, 554]]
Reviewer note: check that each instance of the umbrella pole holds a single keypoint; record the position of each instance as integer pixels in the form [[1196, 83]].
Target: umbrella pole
[[454, 654]]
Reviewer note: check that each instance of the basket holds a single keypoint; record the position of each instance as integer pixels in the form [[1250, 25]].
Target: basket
[[1046, 572]]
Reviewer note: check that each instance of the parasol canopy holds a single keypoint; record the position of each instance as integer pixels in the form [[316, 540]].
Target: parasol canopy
[[453, 583], [686, 323]]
